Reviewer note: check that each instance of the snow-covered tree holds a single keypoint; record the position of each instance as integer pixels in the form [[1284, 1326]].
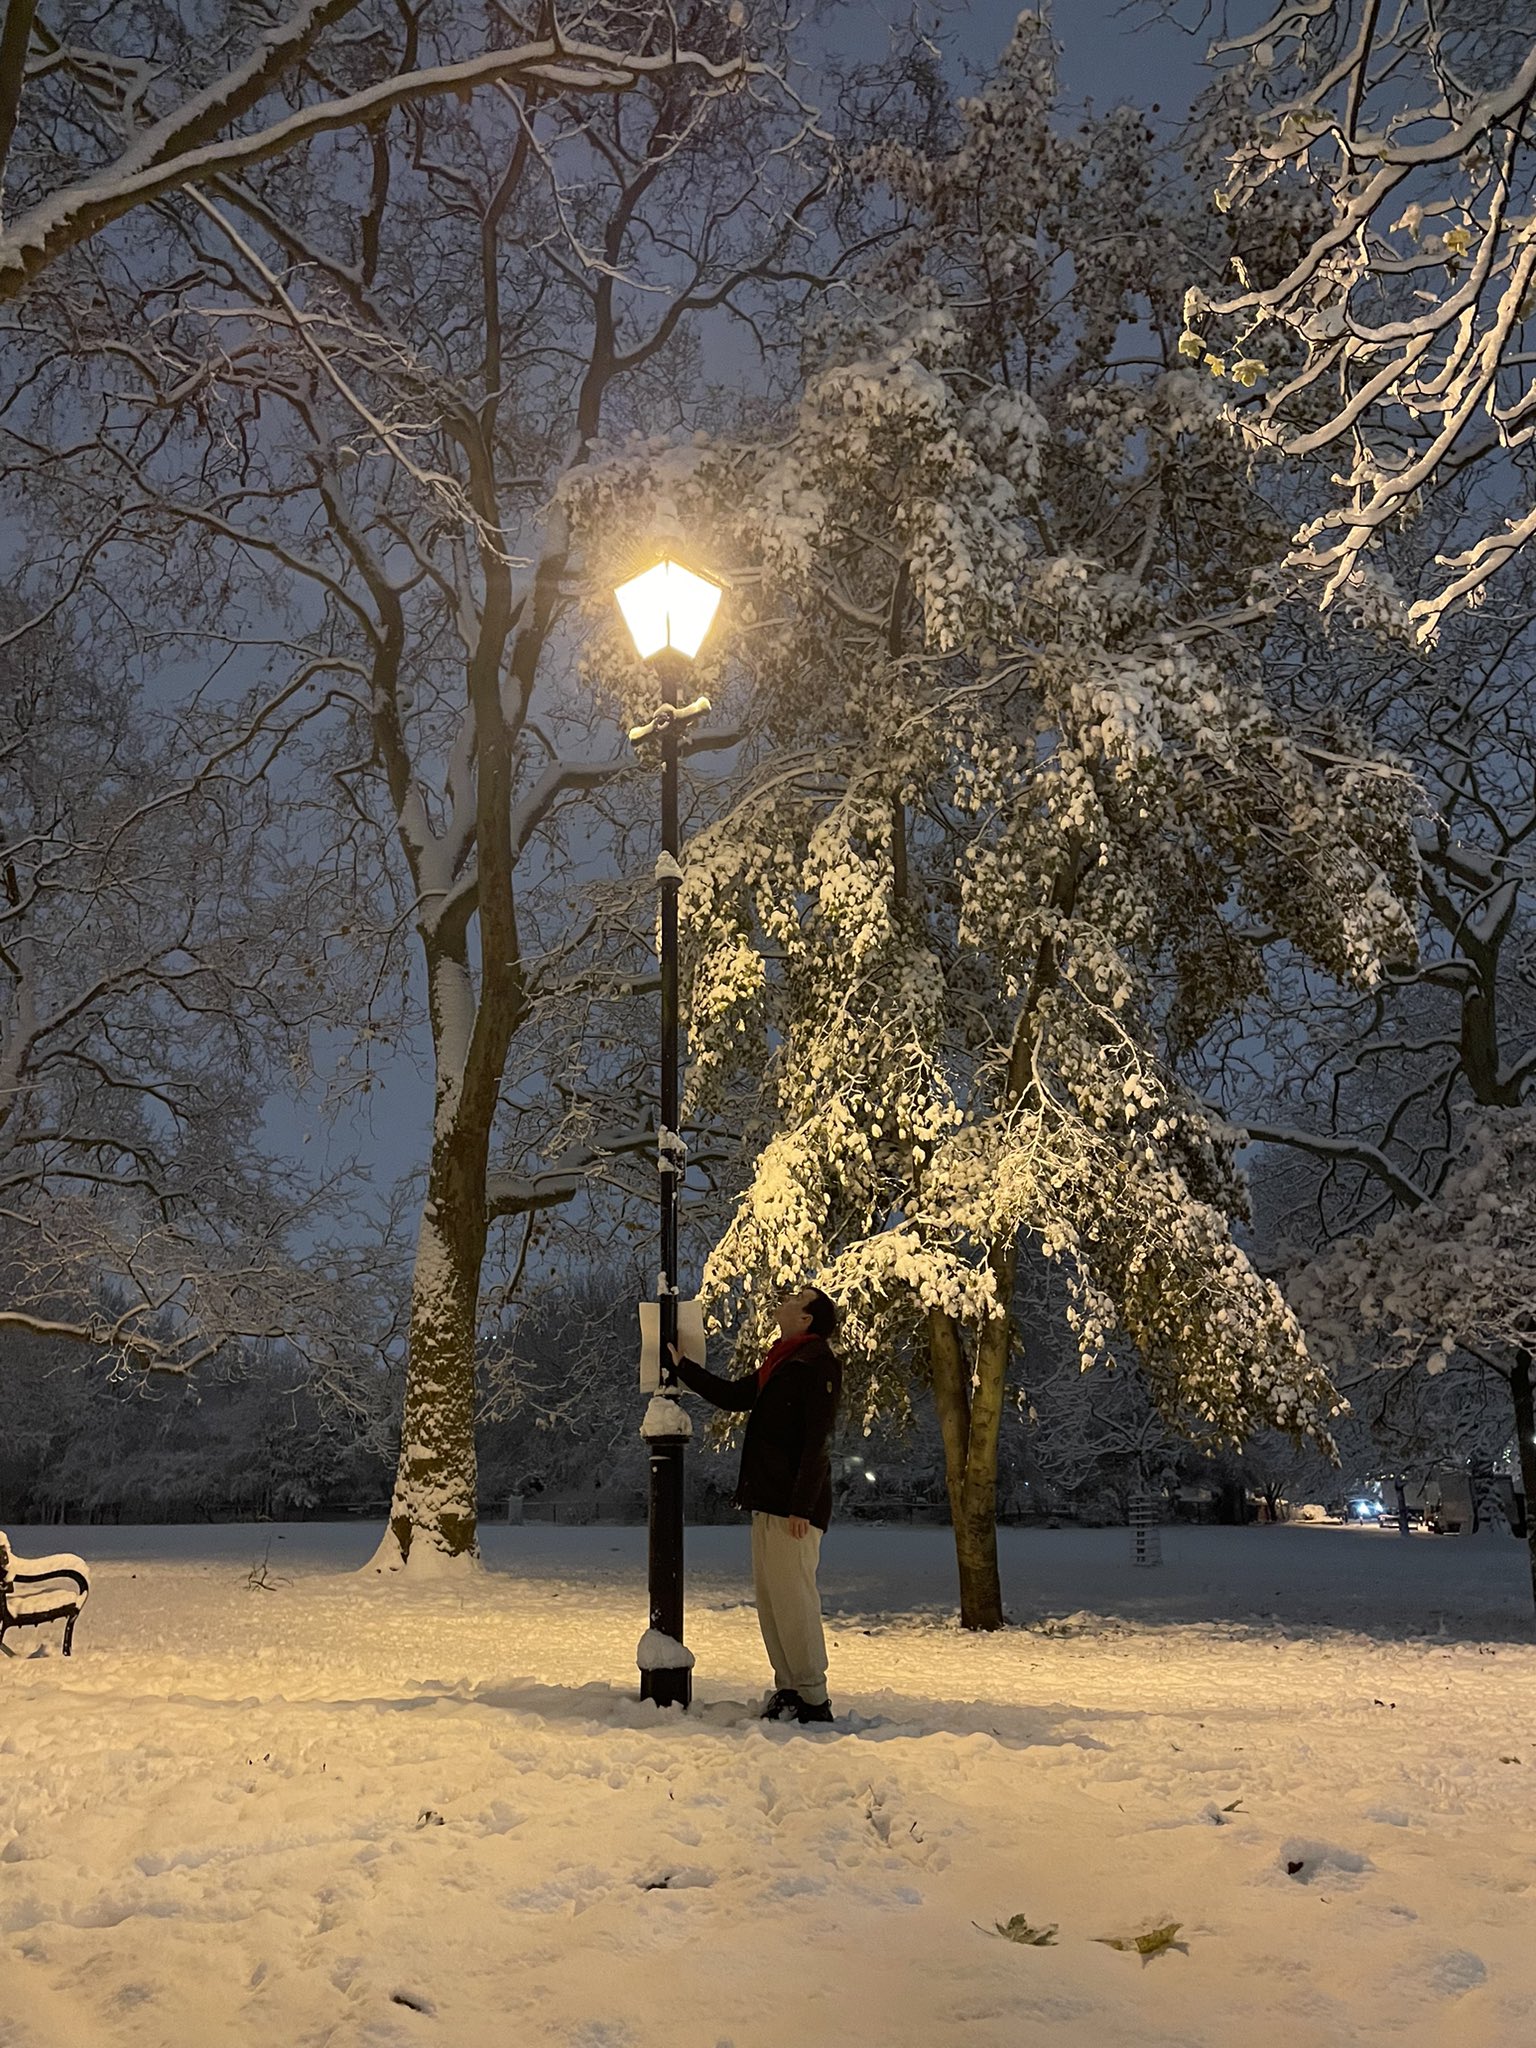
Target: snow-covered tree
[[1372, 1085], [1378, 168], [358, 424], [1456, 1273], [1030, 819], [1368, 1104], [154, 933], [252, 1433]]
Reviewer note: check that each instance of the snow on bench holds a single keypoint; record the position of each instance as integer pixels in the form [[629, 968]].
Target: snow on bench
[[38, 1589]]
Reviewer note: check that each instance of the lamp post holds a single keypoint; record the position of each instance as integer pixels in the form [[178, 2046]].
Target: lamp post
[[668, 611]]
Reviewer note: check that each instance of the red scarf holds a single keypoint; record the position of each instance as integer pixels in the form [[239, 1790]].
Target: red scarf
[[786, 1347]]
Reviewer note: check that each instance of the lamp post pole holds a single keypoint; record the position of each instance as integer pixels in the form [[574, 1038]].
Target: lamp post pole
[[668, 610], [670, 1685]]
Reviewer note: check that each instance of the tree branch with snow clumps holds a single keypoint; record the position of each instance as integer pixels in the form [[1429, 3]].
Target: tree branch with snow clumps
[[1457, 1270], [202, 138], [1382, 191], [1024, 818]]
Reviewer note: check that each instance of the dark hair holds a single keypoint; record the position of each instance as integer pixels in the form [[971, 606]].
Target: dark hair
[[822, 1312]]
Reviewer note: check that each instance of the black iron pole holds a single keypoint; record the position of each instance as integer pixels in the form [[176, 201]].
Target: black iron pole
[[669, 1686]]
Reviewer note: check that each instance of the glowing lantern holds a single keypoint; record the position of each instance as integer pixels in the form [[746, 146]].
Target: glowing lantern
[[668, 607]]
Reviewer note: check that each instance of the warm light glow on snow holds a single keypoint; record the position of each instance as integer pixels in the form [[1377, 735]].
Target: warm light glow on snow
[[668, 606], [1343, 1871]]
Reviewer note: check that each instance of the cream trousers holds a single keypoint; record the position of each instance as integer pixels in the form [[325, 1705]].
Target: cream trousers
[[789, 1606]]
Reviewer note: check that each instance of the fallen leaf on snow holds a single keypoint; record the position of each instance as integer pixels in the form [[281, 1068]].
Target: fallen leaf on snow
[[1155, 1942], [1018, 1929]]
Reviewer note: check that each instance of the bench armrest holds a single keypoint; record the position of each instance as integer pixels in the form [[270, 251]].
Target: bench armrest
[[35, 1571]]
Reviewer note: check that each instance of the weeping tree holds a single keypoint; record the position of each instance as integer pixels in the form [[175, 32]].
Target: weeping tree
[[1029, 824]]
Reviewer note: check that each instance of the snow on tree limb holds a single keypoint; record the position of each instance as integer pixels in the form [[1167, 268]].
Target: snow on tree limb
[[192, 145], [1357, 1151], [564, 1178], [1459, 1271], [1381, 189], [51, 226]]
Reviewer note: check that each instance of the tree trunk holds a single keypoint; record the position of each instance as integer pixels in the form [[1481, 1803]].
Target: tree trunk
[[432, 1510], [1525, 1439], [432, 1514], [970, 1405], [970, 1418]]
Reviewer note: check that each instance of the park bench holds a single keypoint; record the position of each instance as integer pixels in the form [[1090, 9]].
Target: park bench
[[38, 1589]]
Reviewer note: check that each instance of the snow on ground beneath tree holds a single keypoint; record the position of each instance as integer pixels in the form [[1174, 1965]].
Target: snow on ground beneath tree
[[336, 1812]]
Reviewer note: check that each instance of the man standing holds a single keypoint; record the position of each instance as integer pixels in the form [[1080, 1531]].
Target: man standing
[[786, 1482]]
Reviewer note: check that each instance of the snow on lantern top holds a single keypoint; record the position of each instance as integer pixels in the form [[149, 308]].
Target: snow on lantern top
[[668, 606]]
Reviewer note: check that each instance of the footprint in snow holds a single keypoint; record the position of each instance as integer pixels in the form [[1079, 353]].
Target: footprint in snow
[[1307, 1862], [689, 1878], [1457, 1971]]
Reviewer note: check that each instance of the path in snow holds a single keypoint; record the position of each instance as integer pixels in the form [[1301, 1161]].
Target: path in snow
[[348, 1814]]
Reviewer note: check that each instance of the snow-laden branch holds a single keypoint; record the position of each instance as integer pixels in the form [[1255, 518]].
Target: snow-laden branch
[[119, 1340], [192, 145], [1390, 326], [1351, 1151], [1459, 1272], [560, 779], [565, 1177]]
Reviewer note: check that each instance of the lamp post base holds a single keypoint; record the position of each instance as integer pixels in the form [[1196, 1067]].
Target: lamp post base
[[666, 1671], [667, 1688]]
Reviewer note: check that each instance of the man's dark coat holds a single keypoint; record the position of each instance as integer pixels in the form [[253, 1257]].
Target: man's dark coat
[[786, 1466]]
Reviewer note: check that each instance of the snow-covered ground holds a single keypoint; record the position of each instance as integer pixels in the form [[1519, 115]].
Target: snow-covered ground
[[344, 1814]]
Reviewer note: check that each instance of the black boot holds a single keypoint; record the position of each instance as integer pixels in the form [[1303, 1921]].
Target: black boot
[[805, 1711], [783, 1705]]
